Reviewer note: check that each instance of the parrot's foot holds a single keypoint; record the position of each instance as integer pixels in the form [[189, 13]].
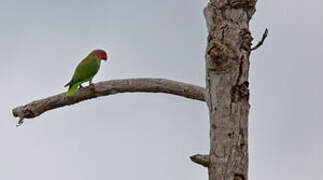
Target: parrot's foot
[[92, 85], [81, 86], [92, 88]]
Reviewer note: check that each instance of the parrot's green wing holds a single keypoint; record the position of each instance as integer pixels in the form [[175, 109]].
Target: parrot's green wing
[[84, 72]]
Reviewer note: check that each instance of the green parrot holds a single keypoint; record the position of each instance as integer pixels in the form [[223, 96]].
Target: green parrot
[[86, 70]]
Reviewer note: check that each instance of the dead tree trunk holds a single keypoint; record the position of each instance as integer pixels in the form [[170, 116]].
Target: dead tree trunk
[[226, 93], [227, 71]]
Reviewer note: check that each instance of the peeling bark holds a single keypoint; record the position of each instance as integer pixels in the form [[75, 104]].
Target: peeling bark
[[227, 93], [227, 73]]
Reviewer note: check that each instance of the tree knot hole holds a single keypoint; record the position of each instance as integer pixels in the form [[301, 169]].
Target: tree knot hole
[[238, 177], [240, 91], [246, 39]]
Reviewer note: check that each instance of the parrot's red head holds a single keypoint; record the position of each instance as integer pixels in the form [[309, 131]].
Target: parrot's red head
[[101, 54]]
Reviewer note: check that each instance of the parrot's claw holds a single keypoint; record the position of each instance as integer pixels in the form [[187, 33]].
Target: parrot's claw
[[81, 86], [92, 85]]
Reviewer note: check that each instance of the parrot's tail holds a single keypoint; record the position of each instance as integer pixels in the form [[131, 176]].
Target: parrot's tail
[[72, 89]]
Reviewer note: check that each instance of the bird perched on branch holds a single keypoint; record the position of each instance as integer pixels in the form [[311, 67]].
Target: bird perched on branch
[[86, 70]]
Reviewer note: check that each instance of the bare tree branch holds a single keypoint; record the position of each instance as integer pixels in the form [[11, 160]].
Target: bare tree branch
[[264, 36], [106, 88], [200, 159]]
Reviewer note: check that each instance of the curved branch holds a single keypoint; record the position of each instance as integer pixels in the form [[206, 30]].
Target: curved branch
[[261, 42], [106, 88]]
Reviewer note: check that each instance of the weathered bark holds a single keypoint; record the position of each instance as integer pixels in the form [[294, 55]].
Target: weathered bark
[[227, 68], [106, 88], [226, 93]]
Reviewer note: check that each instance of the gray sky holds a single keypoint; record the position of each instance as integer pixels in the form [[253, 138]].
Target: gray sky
[[140, 136]]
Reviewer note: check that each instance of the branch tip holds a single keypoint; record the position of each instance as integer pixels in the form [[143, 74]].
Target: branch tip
[[261, 42], [20, 122], [200, 159]]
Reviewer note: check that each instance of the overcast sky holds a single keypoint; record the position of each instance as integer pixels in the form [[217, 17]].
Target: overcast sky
[[145, 136]]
